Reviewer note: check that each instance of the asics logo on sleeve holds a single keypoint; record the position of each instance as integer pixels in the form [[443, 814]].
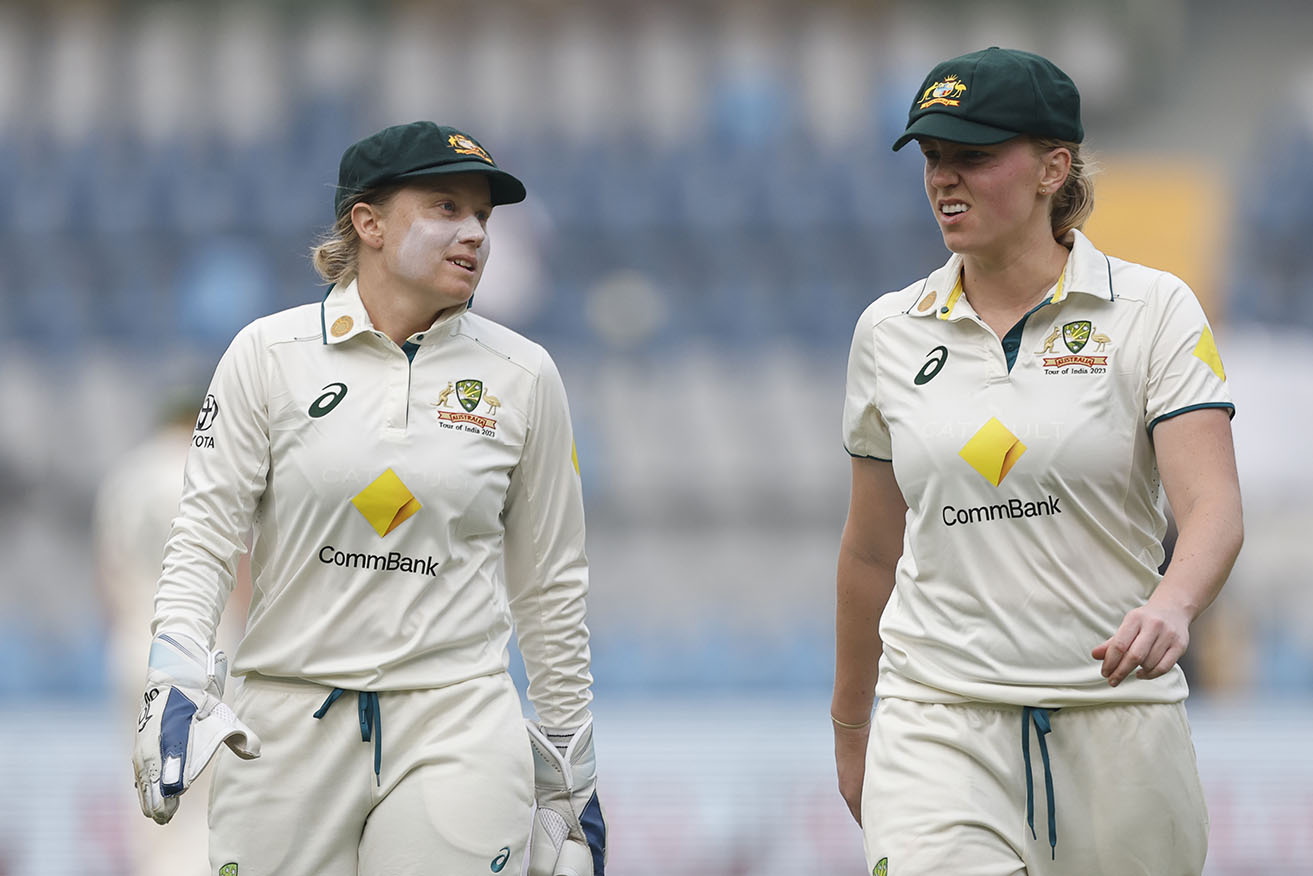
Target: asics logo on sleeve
[[499, 862]]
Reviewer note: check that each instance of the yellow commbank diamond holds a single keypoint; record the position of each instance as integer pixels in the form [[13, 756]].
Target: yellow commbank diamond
[[386, 503], [1206, 351], [993, 451]]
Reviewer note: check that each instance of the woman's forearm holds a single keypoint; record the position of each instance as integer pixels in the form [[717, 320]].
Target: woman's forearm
[[863, 588]]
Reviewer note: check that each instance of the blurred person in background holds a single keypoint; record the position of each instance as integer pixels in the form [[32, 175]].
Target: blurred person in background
[[1009, 419], [408, 470], [135, 506]]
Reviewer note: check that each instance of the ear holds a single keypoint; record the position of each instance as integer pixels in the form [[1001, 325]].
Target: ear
[[1055, 166], [368, 222]]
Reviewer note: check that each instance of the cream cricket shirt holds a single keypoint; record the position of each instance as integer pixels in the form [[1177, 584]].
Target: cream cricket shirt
[[383, 494], [1034, 518]]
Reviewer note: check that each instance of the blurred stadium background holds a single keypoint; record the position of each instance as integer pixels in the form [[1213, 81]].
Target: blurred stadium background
[[712, 203]]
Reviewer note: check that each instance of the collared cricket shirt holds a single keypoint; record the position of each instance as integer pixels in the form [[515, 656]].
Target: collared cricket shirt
[[384, 487], [1035, 519]]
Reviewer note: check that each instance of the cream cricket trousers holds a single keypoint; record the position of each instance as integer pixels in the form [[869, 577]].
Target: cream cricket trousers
[[1115, 791], [452, 794]]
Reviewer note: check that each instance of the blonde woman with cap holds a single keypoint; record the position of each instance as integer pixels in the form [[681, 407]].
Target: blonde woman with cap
[[377, 731], [1010, 418]]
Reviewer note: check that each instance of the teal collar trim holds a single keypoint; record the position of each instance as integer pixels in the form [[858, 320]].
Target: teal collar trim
[[323, 328], [1012, 340]]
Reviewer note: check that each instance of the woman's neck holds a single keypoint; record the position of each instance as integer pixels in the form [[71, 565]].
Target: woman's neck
[[394, 308], [1003, 287]]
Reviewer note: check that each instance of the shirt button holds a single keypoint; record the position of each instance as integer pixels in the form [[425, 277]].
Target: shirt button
[[944, 309]]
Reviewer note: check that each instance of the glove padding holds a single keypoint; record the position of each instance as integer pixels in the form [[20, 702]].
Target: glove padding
[[183, 720], [569, 831]]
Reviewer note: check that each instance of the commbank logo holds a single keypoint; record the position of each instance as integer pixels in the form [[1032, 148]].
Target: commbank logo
[[386, 503], [1206, 352], [992, 451]]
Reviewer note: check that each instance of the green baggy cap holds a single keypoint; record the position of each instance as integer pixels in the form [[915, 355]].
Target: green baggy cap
[[414, 150], [994, 95]]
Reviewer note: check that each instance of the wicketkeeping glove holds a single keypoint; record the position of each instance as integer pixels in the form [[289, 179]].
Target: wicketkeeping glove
[[183, 721], [569, 832]]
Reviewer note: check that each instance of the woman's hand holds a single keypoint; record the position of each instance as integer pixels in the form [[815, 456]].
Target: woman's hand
[[850, 761], [1151, 637]]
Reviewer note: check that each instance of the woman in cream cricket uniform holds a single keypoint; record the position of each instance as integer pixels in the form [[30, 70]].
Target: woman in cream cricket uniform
[[390, 449], [1009, 419]]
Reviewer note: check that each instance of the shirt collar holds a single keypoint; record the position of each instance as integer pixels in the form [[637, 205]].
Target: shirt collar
[[1087, 272], [342, 316]]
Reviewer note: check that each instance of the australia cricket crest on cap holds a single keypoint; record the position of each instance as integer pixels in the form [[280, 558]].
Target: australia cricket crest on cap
[[946, 92], [465, 146]]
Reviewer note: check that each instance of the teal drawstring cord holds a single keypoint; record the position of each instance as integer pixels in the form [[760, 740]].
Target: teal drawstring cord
[[371, 723], [1042, 729]]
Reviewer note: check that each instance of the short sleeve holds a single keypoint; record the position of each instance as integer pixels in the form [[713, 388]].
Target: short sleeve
[[865, 432], [1185, 370]]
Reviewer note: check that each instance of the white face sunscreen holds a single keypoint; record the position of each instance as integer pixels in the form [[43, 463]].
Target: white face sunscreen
[[429, 242]]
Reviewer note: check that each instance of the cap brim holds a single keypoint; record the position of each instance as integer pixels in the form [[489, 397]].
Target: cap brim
[[504, 188], [955, 129]]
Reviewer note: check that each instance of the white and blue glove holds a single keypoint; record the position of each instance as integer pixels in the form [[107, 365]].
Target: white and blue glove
[[183, 721], [569, 831]]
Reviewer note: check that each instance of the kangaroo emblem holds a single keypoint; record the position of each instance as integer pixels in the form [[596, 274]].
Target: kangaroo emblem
[[442, 396], [1050, 340]]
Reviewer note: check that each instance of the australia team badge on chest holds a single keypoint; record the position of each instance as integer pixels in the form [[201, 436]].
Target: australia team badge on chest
[[459, 407], [1076, 336]]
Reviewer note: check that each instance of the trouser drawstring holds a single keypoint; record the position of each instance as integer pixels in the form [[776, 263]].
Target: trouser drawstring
[[371, 723], [1040, 717]]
